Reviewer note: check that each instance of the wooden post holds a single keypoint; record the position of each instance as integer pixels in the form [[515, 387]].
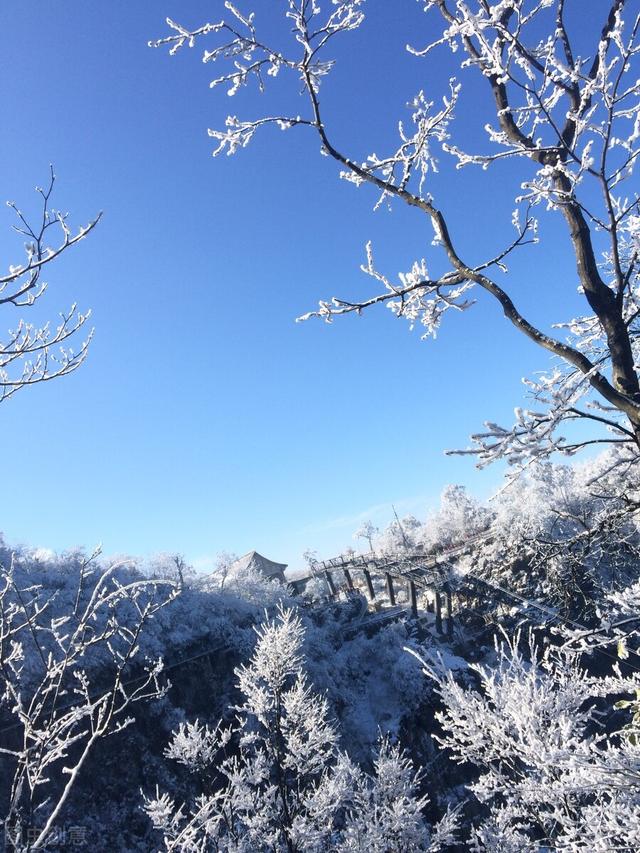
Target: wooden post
[[330, 583], [413, 599], [430, 599], [349, 579], [438, 613], [447, 593], [390, 590], [367, 577]]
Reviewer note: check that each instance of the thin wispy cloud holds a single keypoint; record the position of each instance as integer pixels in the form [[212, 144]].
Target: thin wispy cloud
[[381, 512]]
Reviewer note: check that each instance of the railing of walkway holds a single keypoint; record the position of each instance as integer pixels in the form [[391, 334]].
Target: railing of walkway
[[427, 573]]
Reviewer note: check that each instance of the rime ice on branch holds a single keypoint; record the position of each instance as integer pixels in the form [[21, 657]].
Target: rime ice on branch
[[31, 353], [555, 771], [571, 119], [59, 707], [281, 784]]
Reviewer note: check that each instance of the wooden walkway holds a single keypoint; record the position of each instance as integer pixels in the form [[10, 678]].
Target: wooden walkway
[[423, 576]]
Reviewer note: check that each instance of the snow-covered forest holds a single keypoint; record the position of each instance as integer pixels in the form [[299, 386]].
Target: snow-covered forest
[[464, 680], [288, 722]]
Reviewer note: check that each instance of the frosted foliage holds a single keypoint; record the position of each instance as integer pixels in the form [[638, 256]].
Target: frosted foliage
[[316, 589], [459, 518], [552, 769], [279, 781], [53, 639], [195, 745], [401, 536], [246, 583], [167, 566], [368, 532], [568, 121], [388, 818], [567, 535]]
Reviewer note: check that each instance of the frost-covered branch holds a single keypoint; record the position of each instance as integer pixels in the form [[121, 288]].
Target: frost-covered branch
[[552, 770], [570, 120], [58, 706], [32, 353], [276, 781]]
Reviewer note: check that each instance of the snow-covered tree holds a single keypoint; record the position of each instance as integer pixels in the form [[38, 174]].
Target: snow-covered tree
[[317, 589], [70, 672], [386, 815], [367, 531], [310, 556], [167, 566], [276, 781], [556, 771], [244, 581], [402, 536], [564, 113], [37, 353], [460, 517], [564, 535]]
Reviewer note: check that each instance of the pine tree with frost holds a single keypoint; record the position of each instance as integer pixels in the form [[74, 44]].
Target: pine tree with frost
[[275, 779]]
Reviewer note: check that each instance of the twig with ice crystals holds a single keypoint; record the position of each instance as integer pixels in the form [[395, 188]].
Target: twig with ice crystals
[[32, 353], [571, 119]]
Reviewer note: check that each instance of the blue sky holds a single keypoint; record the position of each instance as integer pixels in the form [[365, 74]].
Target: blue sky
[[205, 419]]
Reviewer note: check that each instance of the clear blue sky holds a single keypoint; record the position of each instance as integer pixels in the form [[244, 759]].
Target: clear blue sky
[[205, 418]]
